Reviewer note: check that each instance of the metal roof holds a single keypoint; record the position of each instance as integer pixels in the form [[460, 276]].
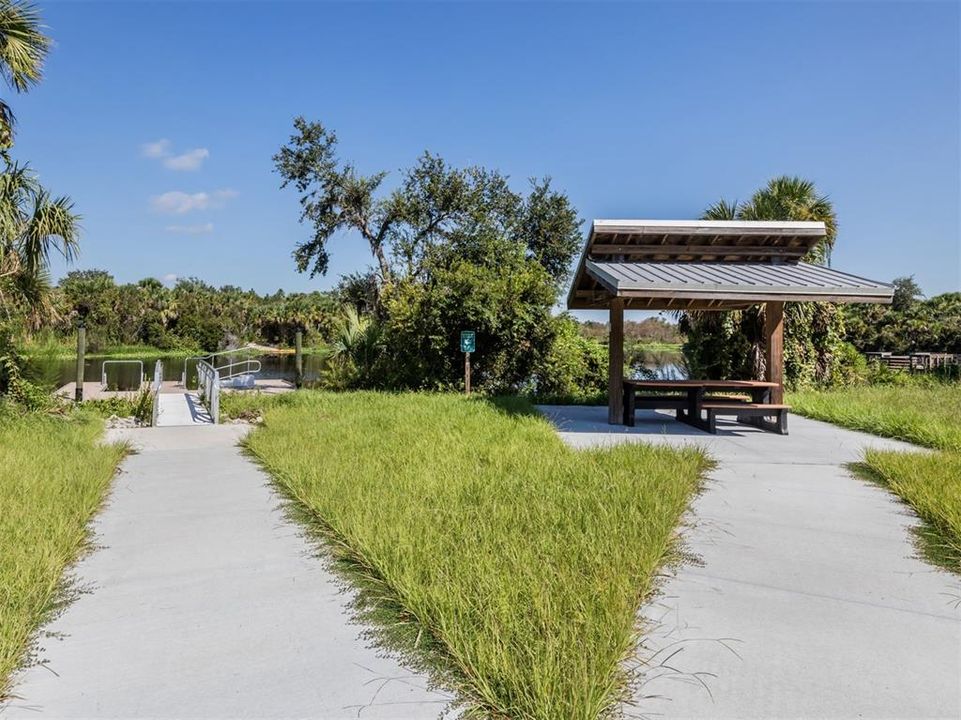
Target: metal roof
[[703, 264]]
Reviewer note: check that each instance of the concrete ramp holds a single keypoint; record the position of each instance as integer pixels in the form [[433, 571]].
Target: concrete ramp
[[181, 408]]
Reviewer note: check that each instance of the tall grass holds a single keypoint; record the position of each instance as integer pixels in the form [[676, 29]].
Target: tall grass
[[53, 476], [925, 414], [517, 562]]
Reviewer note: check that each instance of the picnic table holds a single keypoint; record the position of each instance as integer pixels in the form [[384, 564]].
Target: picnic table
[[700, 402]]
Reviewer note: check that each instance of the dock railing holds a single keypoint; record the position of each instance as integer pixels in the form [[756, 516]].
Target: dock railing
[[103, 371], [249, 365], [241, 367], [208, 381]]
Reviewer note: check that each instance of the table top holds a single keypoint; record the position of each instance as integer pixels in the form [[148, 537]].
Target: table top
[[718, 384]]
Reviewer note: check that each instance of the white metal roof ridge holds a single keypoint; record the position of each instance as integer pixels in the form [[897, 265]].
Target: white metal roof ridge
[[806, 227]]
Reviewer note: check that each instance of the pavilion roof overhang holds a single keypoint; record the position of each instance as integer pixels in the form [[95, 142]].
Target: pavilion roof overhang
[[709, 265]]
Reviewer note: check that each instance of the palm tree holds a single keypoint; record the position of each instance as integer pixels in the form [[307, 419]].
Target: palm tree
[[32, 222], [32, 226], [356, 343], [784, 198], [349, 333], [23, 49]]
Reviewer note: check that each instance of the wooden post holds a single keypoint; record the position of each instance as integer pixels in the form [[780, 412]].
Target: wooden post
[[299, 359], [467, 373], [81, 349], [615, 362], [774, 348]]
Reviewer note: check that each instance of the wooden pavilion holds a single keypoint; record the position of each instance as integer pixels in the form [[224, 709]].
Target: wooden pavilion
[[707, 265]]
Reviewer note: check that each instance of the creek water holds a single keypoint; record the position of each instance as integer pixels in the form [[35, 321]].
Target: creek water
[[126, 374]]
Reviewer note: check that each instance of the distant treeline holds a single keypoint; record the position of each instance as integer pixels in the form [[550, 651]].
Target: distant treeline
[[654, 331], [191, 314], [909, 324]]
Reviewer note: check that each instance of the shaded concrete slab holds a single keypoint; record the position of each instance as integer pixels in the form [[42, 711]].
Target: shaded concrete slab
[[181, 408], [809, 600], [204, 601]]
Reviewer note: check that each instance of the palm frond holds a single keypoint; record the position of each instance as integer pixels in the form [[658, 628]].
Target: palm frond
[[721, 210], [794, 198], [18, 187], [7, 122], [34, 293], [52, 225], [23, 47]]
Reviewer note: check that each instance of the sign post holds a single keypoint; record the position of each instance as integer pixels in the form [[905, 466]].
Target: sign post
[[81, 348], [82, 312], [468, 343]]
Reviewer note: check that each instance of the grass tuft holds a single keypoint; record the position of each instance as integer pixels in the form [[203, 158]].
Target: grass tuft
[[250, 404], [53, 477], [513, 562]]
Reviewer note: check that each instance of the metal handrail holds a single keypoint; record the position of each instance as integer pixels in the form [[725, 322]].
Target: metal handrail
[[208, 380], [158, 380], [103, 370], [247, 369], [209, 358]]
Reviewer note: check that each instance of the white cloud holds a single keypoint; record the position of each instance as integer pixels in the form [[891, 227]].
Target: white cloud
[[176, 202], [169, 279], [156, 149], [198, 229], [190, 160], [163, 150]]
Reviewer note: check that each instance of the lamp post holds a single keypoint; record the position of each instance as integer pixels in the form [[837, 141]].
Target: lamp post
[[82, 311]]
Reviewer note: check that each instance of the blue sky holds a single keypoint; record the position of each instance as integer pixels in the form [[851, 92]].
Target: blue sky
[[635, 109]]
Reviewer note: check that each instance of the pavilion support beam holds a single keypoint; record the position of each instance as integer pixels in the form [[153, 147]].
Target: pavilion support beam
[[615, 362], [774, 348]]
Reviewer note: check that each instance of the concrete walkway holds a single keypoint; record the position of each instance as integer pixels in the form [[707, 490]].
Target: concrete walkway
[[204, 601], [181, 408], [810, 602]]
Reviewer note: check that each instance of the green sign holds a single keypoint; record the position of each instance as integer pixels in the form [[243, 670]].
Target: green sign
[[467, 341]]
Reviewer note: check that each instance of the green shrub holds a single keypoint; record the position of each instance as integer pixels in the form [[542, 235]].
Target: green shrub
[[573, 365], [138, 406], [506, 300], [250, 404]]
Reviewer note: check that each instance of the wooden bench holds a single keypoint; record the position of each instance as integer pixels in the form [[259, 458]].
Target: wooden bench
[[751, 413]]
